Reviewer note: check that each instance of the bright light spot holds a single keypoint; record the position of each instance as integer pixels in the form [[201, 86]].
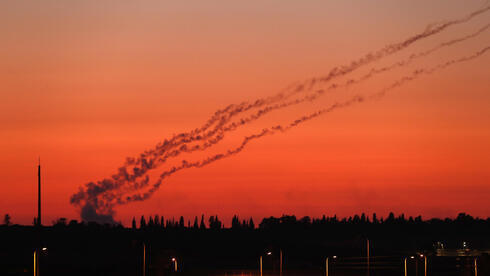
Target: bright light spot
[[173, 259], [335, 257], [44, 249], [269, 253], [421, 255], [412, 257]]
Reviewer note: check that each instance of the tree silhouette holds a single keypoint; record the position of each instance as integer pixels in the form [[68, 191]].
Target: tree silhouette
[[214, 222], [251, 223], [142, 222], [390, 218], [60, 222], [196, 223], [133, 224], [202, 225], [6, 219], [235, 222]]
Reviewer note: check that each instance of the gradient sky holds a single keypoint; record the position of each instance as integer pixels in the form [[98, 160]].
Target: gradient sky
[[84, 84]]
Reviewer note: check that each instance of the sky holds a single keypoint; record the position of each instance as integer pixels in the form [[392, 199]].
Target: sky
[[86, 84]]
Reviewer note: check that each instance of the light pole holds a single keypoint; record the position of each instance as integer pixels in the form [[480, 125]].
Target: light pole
[[405, 265], [260, 265], [476, 268], [35, 261], [425, 265], [367, 246], [280, 262], [144, 259], [416, 267], [38, 247], [326, 266], [174, 260]]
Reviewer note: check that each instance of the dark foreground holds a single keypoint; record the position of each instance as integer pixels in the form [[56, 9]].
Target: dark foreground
[[449, 247]]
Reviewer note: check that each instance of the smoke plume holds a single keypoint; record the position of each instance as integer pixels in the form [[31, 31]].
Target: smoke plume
[[283, 128]]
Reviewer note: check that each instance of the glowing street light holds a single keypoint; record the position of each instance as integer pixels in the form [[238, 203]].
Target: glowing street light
[[268, 253], [260, 265], [476, 268], [405, 265], [327, 264], [35, 261], [326, 267], [174, 260]]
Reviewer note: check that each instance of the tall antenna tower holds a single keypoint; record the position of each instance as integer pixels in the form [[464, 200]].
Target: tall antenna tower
[[39, 193]]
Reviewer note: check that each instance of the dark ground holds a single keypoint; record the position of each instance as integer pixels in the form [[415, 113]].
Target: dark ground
[[81, 249]]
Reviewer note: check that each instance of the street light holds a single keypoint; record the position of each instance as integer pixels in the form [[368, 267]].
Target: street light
[[280, 262], [174, 260], [268, 253], [35, 261], [326, 267], [260, 264], [425, 263], [327, 264], [476, 268], [405, 265]]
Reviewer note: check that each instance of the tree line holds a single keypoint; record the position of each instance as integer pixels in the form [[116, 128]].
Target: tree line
[[285, 221], [155, 222]]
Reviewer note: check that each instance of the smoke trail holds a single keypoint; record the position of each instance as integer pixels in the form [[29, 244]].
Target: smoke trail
[[94, 199], [232, 126], [393, 48], [223, 116], [280, 128]]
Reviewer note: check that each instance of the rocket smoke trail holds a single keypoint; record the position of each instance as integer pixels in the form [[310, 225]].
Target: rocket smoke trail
[[318, 93], [283, 128], [97, 200], [222, 116], [220, 128], [214, 136], [210, 138]]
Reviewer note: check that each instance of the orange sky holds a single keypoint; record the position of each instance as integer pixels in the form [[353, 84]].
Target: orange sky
[[86, 84]]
